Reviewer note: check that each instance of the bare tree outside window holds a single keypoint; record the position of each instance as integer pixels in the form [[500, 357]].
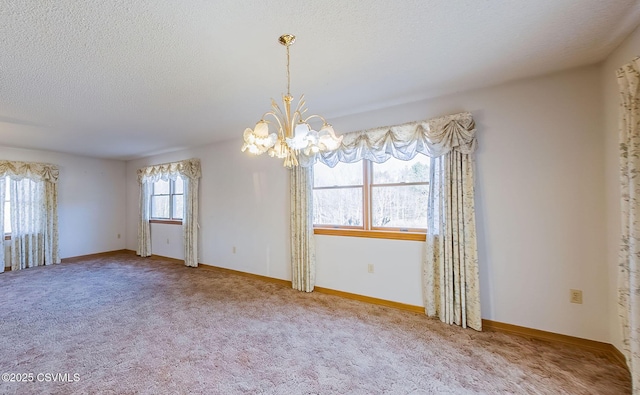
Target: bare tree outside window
[[371, 196], [399, 192], [337, 194]]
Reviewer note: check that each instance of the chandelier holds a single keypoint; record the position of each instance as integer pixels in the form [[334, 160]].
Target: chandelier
[[295, 135]]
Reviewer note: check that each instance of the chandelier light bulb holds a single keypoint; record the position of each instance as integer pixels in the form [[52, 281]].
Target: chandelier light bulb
[[261, 129]]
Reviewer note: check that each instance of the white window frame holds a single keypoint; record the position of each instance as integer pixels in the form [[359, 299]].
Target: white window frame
[[171, 194]]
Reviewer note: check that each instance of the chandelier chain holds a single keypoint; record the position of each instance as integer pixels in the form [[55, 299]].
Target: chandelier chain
[[288, 74]]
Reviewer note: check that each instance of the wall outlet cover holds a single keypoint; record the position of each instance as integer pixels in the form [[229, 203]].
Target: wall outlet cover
[[575, 296]]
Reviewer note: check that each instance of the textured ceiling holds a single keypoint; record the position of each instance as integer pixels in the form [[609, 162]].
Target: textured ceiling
[[129, 78]]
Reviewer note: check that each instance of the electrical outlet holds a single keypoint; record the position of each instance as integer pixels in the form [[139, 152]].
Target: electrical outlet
[[575, 296], [167, 241], [234, 249], [118, 235], [370, 268]]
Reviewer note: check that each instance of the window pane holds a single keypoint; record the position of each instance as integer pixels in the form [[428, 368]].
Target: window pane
[[337, 206], [178, 186], [160, 206], [342, 175], [399, 206], [396, 171], [161, 187], [178, 204]]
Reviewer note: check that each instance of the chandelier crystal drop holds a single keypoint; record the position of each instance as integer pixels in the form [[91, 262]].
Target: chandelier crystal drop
[[295, 135]]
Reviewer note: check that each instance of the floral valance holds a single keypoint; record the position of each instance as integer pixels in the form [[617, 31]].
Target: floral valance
[[433, 137], [30, 170], [189, 168]]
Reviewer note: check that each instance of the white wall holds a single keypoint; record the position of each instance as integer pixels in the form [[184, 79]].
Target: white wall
[[628, 50], [540, 207], [91, 197], [342, 264]]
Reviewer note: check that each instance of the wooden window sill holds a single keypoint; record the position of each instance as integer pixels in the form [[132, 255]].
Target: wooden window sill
[[165, 221], [374, 234]]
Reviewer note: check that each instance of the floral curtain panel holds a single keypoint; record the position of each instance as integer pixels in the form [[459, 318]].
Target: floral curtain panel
[[144, 228], [629, 254], [34, 213], [303, 258], [451, 278], [190, 221], [190, 171], [27, 223]]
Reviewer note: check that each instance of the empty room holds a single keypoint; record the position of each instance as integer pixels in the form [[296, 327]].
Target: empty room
[[327, 197]]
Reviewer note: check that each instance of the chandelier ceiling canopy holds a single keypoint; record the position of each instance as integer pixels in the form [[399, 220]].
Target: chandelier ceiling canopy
[[295, 136]]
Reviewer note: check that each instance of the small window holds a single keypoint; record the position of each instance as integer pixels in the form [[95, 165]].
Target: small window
[[167, 200], [389, 196]]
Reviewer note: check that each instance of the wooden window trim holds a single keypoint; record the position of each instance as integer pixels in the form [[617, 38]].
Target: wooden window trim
[[372, 234], [399, 230], [166, 221]]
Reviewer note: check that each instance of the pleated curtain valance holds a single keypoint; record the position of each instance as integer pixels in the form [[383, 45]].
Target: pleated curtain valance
[[30, 170], [434, 138], [189, 168]]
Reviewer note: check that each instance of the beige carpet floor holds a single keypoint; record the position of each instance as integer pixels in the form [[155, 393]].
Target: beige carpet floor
[[127, 325]]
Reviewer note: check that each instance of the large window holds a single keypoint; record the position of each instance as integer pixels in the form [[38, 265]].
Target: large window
[[167, 200], [366, 196]]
